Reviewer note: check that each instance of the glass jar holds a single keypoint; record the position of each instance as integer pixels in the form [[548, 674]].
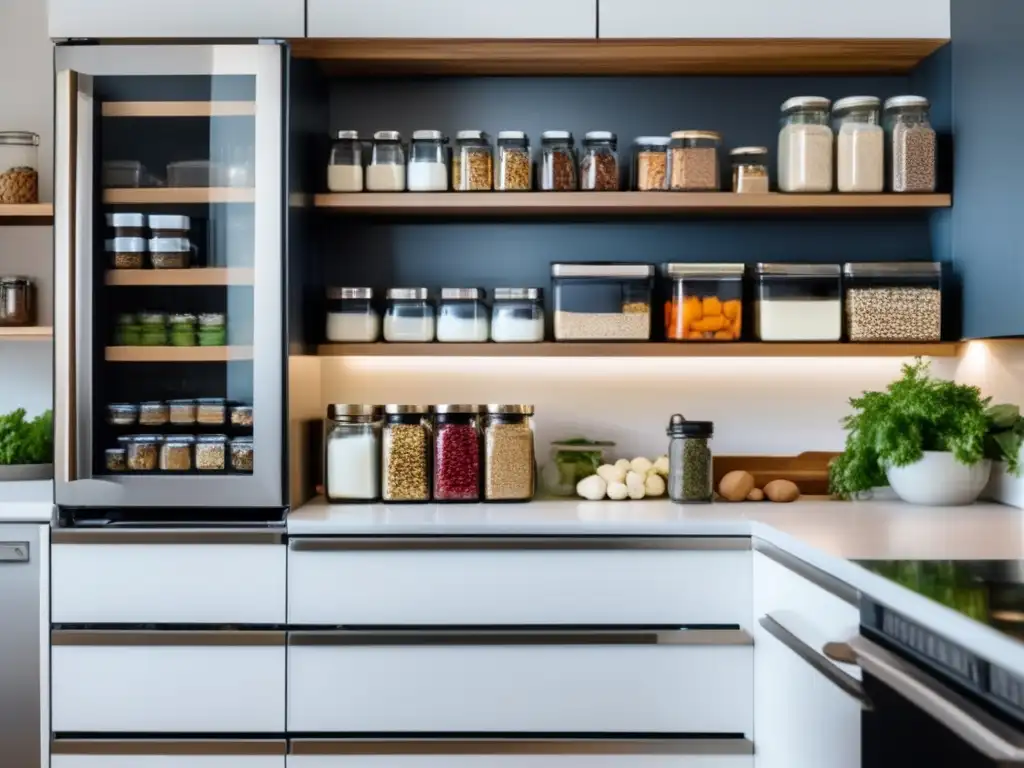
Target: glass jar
[[798, 302], [153, 329], [241, 416], [514, 170], [509, 461], [352, 453], [409, 315], [212, 329], [170, 252], [141, 452], [242, 454], [127, 224], [893, 301], [860, 144], [457, 449], [122, 414], [462, 315], [176, 453], [805, 145], [602, 301], [750, 170], [911, 145], [182, 329], [181, 411], [386, 171], [154, 414], [557, 162], [164, 225], [19, 167], [17, 304], [128, 330], [345, 169], [127, 252], [407, 453], [472, 162], [706, 303], [211, 410], [428, 169], [599, 165], [693, 161], [116, 459], [517, 315], [211, 453], [351, 316], [650, 163], [571, 462], [690, 478]]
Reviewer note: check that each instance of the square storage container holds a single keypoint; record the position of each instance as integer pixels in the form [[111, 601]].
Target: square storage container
[[899, 301], [602, 301], [350, 315], [462, 315], [409, 315], [706, 302], [517, 315], [798, 302]]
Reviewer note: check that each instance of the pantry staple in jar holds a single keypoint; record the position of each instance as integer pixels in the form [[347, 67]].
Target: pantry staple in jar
[[599, 165], [345, 168], [127, 224], [17, 301], [706, 302], [893, 301], [805, 145], [154, 414], [557, 162], [212, 330], [798, 302], [602, 301], [386, 171], [171, 226], [693, 161], [517, 315], [513, 158], [241, 416], [462, 315], [409, 315], [122, 414], [182, 329], [211, 410], [127, 252], [650, 163], [116, 459], [352, 453], [860, 144], [182, 411], [141, 451], [176, 453], [153, 329], [690, 478], [350, 315], [19, 161], [211, 453], [407, 453], [472, 162], [170, 252], [427, 170], [509, 461], [750, 170], [912, 144], [242, 454], [457, 448], [127, 330]]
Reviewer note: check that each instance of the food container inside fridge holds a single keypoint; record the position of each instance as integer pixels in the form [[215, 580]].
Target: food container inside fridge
[[211, 453], [798, 302], [602, 301], [176, 453], [141, 452], [128, 224], [166, 225], [197, 173], [182, 411], [127, 252], [122, 414], [154, 413], [893, 301], [242, 454], [127, 173], [170, 252], [706, 302], [211, 410]]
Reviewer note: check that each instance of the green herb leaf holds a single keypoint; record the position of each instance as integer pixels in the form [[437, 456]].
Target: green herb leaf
[[26, 442]]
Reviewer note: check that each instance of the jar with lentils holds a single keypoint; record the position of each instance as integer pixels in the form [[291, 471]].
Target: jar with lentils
[[650, 161], [472, 163], [457, 449], [514, 168], [599, 165], [558, 162], [693, 161], [407, 453], [911, 144], [509, 463]]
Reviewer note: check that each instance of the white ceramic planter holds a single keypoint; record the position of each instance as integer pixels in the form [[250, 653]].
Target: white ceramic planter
[[939, 480]]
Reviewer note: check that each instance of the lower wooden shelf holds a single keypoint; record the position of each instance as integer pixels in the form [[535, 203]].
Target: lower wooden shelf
[[28, 214], [177, 354], [194, 276], [29, 333]]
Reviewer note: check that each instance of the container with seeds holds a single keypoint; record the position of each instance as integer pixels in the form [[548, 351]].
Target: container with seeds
[[211, 410], [141, 451], [509, 461], [116, 459], [602, 301], [513, 162], [893, 301], [122, 414], [690, 477], [749, 170], [558, 162], [176, 453], [128, 224], [153, 414], [599, 164], [911, 144], [182, 328], [457, 448], [211, 453], [650, 163], [127, 252], [153, 329], [241, 454], [241, 415], [407, 453], [182, 411], [472, 162], [693, 161]]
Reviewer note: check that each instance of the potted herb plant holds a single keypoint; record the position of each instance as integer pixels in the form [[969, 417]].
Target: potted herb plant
[[26, 446], [932, 440]]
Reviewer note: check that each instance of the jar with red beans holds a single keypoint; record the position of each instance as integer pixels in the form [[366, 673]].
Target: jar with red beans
[[457, 449]]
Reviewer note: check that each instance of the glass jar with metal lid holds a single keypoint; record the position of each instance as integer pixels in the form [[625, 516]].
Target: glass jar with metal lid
[[428, 162], [650, 163], [19, 167], [408, 451], [557, 162], [798, 302], [352, 453], [472, 162], [345, 170], [893, 301], [350, 315], [509, 458], [805, 145], [409, 315], [750, 170], [517, 315], [17, 301], [693, 161], [182, 329], [706, 302], [911, 141], [457, 449], [690, 478], [602, 301], [860, 144], [462, 315], [514, 171], [599, 163], [386, 171]]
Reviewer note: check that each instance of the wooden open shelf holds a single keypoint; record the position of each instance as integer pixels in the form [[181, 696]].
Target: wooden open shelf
[[179, 195], [177, 354], [198, 276], [27, 214], [641, 349], [178, 109], [31, 333]]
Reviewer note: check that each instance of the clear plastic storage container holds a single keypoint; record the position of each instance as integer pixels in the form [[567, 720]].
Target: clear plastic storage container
[[514, 170], [472, 162], [211, 453], [409, 315], [428, 166], [242, 454], [386, 171], [517, 315], [127, 252], [599, 163], [805, 145], [154, 413], [182, 411], [164, 225], [693, 161], [176, 453], [690, 472], [462, 315], [893, 301], [19, 167], [211, 410], [128, 224], [750, 170], [352, 449], [706, 302], [650, 163], [170, 252], [602, 301], [798, 302], [345, 169], [509, 460], [912, 147], [407, 453], [458, 448], [182, 327], [351, 316], [557, 162], [122, 414], [860, 144], [142, 452]]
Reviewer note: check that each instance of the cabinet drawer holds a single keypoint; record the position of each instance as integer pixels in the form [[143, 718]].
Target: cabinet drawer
[[169, 577], [595, 581], [176, 753], [540, 682], [161, 682]]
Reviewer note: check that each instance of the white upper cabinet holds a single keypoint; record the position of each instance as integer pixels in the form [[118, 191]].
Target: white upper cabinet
[[180, 19], [777, 18], [452, 19]]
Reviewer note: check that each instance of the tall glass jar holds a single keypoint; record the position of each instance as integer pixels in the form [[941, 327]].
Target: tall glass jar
[[457, 449], [345, 171], [409, 315], [386, 171], [805, 145], [428, 167], [514, 169], [911, 141], [473, 162], [509, 459], [557, 162], [750, 170], [693, 161], [690, 478], [19, 167], [650, 163], [352, 453], [860, 144], [599, 165], [408, 450]]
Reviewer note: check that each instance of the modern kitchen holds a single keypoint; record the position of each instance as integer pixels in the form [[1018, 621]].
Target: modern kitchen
[[572, 383]]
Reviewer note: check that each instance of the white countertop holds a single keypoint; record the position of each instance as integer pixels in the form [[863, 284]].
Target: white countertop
[[26, 502]]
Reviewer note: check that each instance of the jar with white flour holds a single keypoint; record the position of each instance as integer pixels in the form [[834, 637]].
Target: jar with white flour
[[428, 167], [805, 145], [345, 170], [462, 315], [350, 315], [798, 302], [860, 144], [386, 171], [517, 315], [409, 316], [352, 450]]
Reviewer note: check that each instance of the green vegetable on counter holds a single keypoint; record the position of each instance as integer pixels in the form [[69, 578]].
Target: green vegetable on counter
[[26, 441], [573, 460]]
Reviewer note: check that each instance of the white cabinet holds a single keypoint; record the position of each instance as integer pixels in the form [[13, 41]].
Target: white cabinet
[[471, 19], [200, 19], [778, 18]]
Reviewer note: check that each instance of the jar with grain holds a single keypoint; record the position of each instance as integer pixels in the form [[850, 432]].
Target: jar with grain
[[472, 162], [514, 171], [912, 146], [168, 226], [141, 452], [509, 460], [128, 224], [407, 453], [170, 252], [706, 302], [352, 453], [428, 166], [19, 167], [211, 410], [211, 453], [345, 168], [750, 170], [176, 453], [557, 162], [122, 414], [386, 171], [650, 163], [693, 161], [182, 411], [409, 316], [599, 165], [242, 454], [517, 315], [462, 315], [602, 301], [127, 252], [154, 413], [798, 302], [893, 301], [458, 446], [690, 475], [805, 145], [860, 144], [350, 315], [116, 459]]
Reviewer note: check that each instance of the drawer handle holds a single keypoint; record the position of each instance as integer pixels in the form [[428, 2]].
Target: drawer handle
[[526, 746], [167, 536], [14, 552], [166, 637], [167, 747], [456, 543], [522, 637]]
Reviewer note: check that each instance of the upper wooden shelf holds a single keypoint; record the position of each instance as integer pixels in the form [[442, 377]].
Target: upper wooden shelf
[[198, 276], [178, 109], [179, 195], [742, 56], [177, 354], [28, 214], [29, 333]]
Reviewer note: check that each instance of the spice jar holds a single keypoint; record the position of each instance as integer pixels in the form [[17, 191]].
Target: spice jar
[[514, 168], [462, 315], [19, 164], [690, 478], [706, 303], [860, 144], [211, 453], [352, 453], [407, 453], [212, 330], [457, 449], [509, 461], [176, 453], [805, 145], [127, 224], [693, 161], [127, 252], [911, 144], [141, 452], [345, 168], [153, 329], [517, 315], [122, 414], [17, 305], [893, 301], [182, 411], [650, 163], [599, 165], [116, 459], [427, 171], [472, 169], [242, 454], [750, 170], [182, 328], [153, 414], [557, 162], [386, 171], [409, 315], [350, 315]]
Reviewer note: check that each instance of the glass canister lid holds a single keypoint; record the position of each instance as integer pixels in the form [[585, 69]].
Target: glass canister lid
[[21, 138], [347, 136], [428, 135], [749, 154], [511, 294], [522, 410], [343, 293], [690, 135], [856, 102], [456, 408], [798, 103], [348, 410], [898, 102], [407, 294], [387, 136], [678, 426], [463, 294], [393, 409]]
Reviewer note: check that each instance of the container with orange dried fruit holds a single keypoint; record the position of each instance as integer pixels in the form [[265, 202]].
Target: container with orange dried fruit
[[706, 302]]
